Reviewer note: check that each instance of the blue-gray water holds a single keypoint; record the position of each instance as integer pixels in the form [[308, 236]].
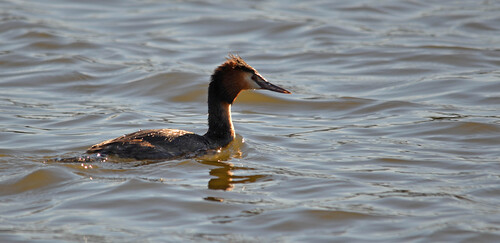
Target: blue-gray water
[[392, 133]]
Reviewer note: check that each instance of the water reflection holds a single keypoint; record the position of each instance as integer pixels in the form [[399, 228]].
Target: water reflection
[[224, 178], [224, 171]]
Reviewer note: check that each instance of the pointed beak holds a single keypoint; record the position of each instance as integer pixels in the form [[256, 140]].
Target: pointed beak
[[263, 84]]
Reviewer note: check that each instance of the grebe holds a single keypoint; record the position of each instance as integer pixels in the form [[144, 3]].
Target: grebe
[[227, 81]]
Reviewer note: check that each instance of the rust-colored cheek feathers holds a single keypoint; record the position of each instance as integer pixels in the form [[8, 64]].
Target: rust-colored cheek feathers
[[235, 81]]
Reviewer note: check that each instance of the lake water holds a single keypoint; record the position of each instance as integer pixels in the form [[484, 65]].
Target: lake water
[[392, 133]]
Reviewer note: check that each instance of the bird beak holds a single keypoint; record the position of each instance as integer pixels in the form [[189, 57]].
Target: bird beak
[[263, 84]]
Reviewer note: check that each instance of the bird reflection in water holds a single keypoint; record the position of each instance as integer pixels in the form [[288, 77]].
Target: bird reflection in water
[[224, 178]]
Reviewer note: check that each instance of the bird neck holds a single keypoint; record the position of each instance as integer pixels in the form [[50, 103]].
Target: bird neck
[[220, 126]]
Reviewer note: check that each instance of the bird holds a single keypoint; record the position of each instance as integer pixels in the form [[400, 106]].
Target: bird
[[227, 81]]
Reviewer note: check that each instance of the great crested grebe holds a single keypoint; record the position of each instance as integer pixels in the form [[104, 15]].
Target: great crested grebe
[[227, 81]]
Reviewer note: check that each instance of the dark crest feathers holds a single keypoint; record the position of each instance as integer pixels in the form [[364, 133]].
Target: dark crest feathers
[[235, 62]]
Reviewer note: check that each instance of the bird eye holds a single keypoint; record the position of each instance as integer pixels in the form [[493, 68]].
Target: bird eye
[[257, 78]]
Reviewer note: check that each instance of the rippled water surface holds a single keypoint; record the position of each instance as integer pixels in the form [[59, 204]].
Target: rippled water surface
[[392, 132]]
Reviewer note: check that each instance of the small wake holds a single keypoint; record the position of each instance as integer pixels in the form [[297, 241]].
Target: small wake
[[91, 158]]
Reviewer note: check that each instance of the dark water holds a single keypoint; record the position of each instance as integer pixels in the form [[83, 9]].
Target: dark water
[[392, 133]]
